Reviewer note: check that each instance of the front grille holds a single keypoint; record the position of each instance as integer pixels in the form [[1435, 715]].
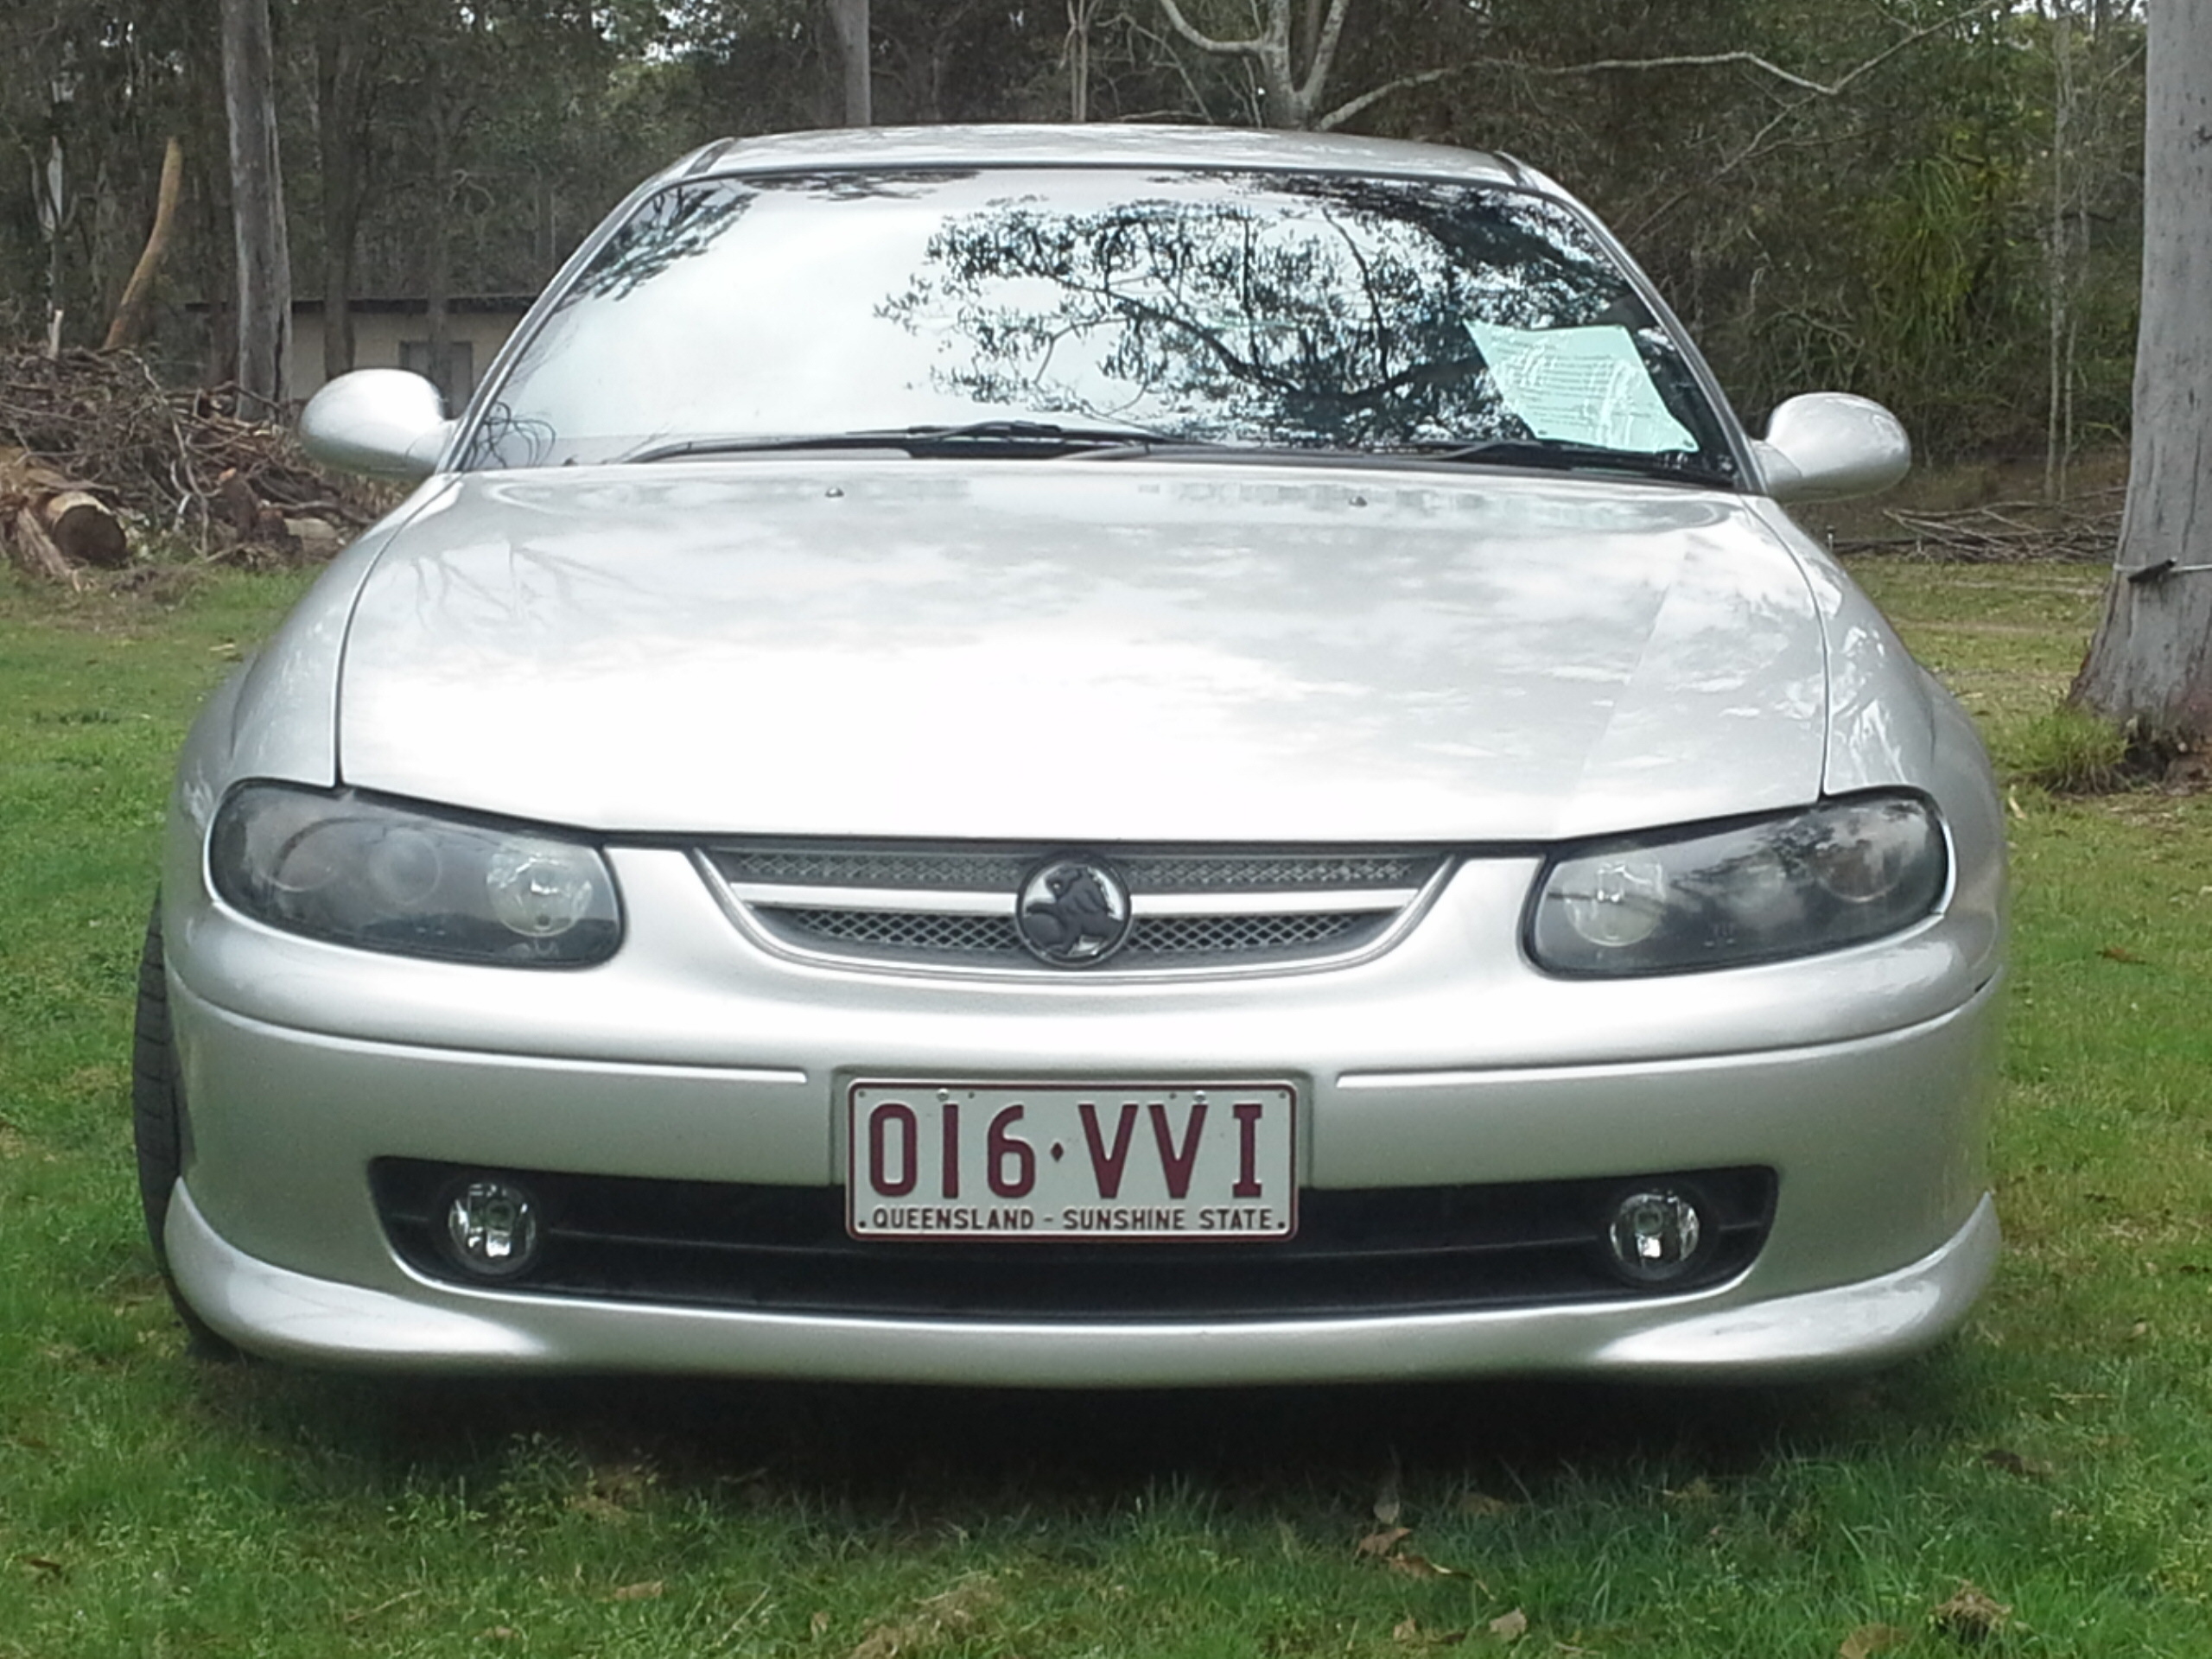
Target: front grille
[[902, 933], [784, 1250], [1192, 909]]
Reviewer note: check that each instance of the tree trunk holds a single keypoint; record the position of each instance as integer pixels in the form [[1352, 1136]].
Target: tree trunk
[[2151, 660], [850, 20], [1081, 16], [257, 208], [129, 319], [339, 65], [437, 276]]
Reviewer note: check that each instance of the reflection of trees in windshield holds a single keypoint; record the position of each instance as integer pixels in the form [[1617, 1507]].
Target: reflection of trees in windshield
[[1301, 311], [1247, 308], [690, 219], [675, 224]]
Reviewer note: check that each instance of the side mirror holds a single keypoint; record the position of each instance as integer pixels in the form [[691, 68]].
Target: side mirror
[[386, 422], [1826, 445]]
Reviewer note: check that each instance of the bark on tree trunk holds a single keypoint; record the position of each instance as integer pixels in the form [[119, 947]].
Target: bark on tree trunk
[[1081, 15], [257, 207], [2152, 659], [437, 282], [850, 21], [338, 70]]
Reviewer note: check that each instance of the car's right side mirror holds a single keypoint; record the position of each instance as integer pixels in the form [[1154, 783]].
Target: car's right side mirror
[[1827, 445], [386, 422]]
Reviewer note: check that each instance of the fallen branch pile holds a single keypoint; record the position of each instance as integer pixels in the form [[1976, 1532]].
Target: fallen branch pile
[[2084, 528], [97, 427]]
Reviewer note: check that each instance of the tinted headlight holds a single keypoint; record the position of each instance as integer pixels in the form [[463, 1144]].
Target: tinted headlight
[[1844, 872], [384, 877]]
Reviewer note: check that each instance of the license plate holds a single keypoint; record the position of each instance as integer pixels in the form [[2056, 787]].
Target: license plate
[[1194, 1162]]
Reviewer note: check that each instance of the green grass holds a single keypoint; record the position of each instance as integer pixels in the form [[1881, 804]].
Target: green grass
[[2056, 1455]]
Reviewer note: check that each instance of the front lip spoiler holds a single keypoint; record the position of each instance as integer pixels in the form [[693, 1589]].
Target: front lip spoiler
[[1714, 1336]]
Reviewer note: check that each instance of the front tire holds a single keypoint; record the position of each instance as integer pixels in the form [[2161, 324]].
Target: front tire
[[157, 1128]]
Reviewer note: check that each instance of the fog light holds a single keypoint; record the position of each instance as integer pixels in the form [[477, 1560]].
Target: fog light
[[1654, 1235], [492, 1228]]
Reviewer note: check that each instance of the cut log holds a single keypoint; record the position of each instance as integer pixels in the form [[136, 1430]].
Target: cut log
[[85, 531], [72, 523], [34, 550]]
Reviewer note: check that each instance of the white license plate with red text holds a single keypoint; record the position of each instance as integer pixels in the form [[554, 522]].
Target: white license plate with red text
[[1196, 1162]]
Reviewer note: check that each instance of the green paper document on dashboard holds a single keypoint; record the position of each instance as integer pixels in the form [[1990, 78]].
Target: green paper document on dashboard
[[1580, 385]]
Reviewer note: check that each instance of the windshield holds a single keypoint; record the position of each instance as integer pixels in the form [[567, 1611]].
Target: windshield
[[1246, 309]]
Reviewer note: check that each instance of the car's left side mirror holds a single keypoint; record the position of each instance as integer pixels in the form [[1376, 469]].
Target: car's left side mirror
[[386, 422], [1826, 445]]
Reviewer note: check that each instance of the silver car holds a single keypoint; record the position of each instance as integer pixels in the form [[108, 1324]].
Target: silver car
[[1082, 758]]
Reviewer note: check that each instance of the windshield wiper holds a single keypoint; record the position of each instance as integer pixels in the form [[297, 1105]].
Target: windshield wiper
[[1044, 439], [1566, 456]]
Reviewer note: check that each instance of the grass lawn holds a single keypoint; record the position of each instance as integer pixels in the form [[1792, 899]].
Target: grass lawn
[[2042, 1485]]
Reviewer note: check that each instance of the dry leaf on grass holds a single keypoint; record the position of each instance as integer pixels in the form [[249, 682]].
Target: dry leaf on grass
[[818, 1626], [1509, 1627], [1971, 1615], [499, 1633], [1870, 1639], [645, 1590]]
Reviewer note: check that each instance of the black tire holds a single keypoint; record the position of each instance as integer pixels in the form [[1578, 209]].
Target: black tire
[[157, 1128]]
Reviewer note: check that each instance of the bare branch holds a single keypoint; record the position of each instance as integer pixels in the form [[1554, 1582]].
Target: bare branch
[[1325, 51], [1206, 42], [1345, 112], [1752, 59]]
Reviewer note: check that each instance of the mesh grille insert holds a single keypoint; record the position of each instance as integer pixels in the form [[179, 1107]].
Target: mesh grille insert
[[907, 931], [1240, 935]]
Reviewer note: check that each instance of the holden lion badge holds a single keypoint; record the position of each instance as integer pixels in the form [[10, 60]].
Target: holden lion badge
[[1073, 911]]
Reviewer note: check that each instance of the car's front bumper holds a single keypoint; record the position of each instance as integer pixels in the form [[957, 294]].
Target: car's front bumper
[[1713, 1336]]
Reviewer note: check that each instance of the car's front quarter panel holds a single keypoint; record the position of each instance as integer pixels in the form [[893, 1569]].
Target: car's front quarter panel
[[277, 717], [1893, 725]]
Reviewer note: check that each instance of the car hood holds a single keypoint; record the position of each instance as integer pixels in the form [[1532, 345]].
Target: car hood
[[1085, 651]]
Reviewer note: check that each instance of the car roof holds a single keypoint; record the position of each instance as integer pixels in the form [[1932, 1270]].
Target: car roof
[[1100, 145]]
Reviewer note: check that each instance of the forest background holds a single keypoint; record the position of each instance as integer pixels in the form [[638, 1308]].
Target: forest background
[[1934, 205]]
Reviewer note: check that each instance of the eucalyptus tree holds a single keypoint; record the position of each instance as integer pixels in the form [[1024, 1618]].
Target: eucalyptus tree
[[2150, 662], [264, 259]]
